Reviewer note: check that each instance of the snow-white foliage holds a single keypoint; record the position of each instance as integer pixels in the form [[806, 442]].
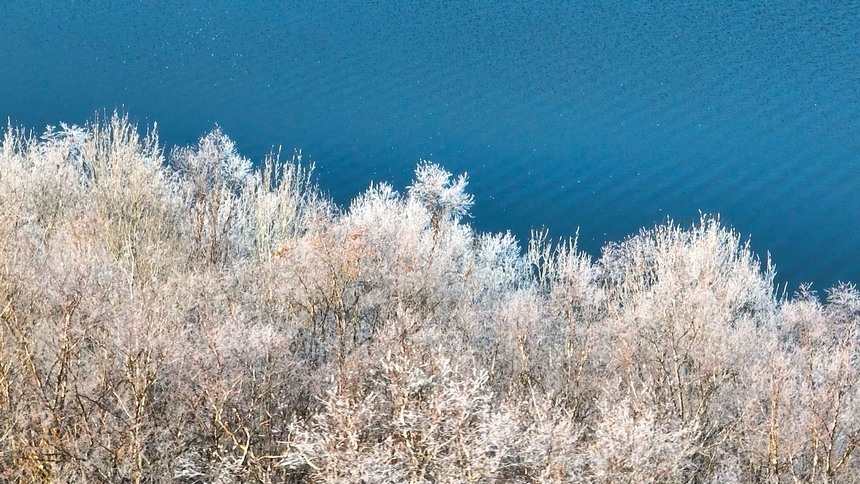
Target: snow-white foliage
[[274, 202], [444, 197], [215, 176], [632, 443], [198, 320], [410, 422], [213, 163]]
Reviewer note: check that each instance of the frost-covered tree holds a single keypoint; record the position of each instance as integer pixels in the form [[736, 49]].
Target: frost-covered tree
[[214, 175], [386, 341], [445, 198]]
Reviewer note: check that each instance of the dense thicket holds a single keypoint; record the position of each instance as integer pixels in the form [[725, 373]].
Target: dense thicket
[[186, 318]]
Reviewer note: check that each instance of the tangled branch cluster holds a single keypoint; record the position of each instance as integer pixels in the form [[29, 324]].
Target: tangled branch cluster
[[188, 318]]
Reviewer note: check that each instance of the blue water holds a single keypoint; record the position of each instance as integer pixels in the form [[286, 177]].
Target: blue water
[[608, 117]]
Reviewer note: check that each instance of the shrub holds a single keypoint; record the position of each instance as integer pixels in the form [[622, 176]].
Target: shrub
[[194, 319]]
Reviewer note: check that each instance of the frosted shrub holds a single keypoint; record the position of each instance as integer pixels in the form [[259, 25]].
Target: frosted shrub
[[382, 256], [205, 321], [42, 180], [133, 199], [571, 342], [443, 197], [498, 267], [274, 200], [549, 444], [687, 312], [634, 444], [843, 303], [686, 301], [807, 429], [407, 422], [318, 279], [214, 175]]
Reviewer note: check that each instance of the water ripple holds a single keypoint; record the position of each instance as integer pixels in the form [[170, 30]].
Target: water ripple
[[605, 117]]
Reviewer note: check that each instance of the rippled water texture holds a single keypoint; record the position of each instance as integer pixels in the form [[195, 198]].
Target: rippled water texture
[[606, 117]]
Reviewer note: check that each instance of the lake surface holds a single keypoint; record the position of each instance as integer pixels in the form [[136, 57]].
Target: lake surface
[[607, 116]]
